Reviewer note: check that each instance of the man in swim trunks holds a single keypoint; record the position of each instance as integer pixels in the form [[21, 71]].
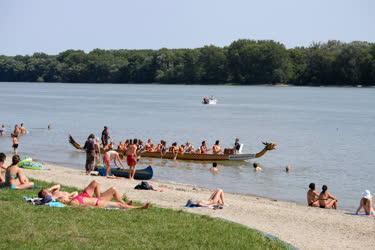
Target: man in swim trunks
[[15, 143], [312, 196], [131, 157]]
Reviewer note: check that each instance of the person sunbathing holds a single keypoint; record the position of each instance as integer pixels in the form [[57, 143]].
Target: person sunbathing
[[56, 193], [216, 199], [366, 203], [312, 196], [15, 177], [327, 200], [92, 196]]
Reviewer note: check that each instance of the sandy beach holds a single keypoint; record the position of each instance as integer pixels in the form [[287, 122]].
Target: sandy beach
[[301, 226]]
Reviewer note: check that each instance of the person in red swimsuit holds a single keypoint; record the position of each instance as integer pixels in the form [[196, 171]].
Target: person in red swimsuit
[[131, 157]]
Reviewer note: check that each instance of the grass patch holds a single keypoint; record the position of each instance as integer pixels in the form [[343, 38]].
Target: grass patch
[[35, 227]]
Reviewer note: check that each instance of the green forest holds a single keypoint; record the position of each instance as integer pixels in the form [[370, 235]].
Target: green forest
[[244, 62]]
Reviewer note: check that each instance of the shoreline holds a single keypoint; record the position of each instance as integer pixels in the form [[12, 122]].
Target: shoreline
[[301, 226]]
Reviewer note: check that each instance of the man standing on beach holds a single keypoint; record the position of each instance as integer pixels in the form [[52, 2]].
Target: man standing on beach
[[105, 136], [89, 147], [131, 157]]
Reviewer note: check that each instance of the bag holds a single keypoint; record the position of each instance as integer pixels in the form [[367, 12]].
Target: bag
[[144, 185]]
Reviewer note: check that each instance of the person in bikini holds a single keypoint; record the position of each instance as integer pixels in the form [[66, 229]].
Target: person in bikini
[[92, 196], [327, 200], [131, 157], [15, 177], [109, 156], [366, 204], [312, 196], [216, 149], [15, 143]]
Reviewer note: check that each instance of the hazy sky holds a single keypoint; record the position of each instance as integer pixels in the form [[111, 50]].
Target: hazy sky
[[51, 26]]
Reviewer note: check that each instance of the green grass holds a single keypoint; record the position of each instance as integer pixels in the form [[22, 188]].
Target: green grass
[[39, 227]]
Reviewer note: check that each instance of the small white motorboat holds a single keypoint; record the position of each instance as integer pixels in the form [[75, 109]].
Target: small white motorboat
[[209, 100]]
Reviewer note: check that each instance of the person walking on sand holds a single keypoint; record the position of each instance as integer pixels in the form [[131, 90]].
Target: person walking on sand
[[109, 156], [312, 196], [15, 143], [131, 157], [89, 147], [105, 136], [327, 200], [366, 203]]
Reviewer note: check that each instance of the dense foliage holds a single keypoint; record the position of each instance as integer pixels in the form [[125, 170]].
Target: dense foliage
[[242, 62]]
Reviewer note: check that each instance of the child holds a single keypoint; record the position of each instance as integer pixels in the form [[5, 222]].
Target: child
[[15, 143]]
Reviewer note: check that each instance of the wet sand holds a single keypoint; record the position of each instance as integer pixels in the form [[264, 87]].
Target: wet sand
[[301, 226]]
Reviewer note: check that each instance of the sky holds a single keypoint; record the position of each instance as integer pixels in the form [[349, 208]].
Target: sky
[[52, 26]]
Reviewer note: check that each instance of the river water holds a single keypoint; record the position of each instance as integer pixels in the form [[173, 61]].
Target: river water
[[326, 134]]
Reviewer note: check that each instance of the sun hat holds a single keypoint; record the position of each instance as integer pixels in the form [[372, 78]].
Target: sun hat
[[366, 194]]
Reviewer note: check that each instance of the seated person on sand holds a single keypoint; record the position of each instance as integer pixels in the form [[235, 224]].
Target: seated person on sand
[[109, 156], [327, 200], [15, 177], [216, 149], [312, 196], [149, 147], [56, 193], [216, 199], [366, 203], [3, 168], [101, 200]]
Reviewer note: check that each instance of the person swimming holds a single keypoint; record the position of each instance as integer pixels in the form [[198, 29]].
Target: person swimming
[[257, 167], [214, 169]]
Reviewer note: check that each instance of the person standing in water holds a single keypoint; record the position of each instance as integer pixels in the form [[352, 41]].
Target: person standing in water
[[105, 136], [17, 130], [23, 129], [214, 169], [89, 147], [131, 157], [15, 143], [2, 130]]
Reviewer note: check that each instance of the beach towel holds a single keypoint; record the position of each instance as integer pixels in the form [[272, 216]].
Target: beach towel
[[40, 201]]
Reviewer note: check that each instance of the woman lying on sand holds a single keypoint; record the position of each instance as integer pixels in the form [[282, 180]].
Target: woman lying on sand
[[101, 200], [216, 200], [15, 177], [366, 203], [327, 200]]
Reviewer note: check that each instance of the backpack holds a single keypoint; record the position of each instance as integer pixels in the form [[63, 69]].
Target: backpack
[[144, 185]]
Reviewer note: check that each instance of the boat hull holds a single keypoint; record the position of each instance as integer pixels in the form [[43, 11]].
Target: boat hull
[[141, 174], [199, 157]]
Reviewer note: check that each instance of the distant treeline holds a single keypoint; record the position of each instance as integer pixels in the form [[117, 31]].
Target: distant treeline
[[242, 62]]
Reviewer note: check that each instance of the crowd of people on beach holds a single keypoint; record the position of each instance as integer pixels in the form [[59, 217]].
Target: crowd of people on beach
[[13, 176]]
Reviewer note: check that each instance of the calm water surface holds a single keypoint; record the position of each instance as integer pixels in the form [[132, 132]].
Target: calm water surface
[[326, 134]]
